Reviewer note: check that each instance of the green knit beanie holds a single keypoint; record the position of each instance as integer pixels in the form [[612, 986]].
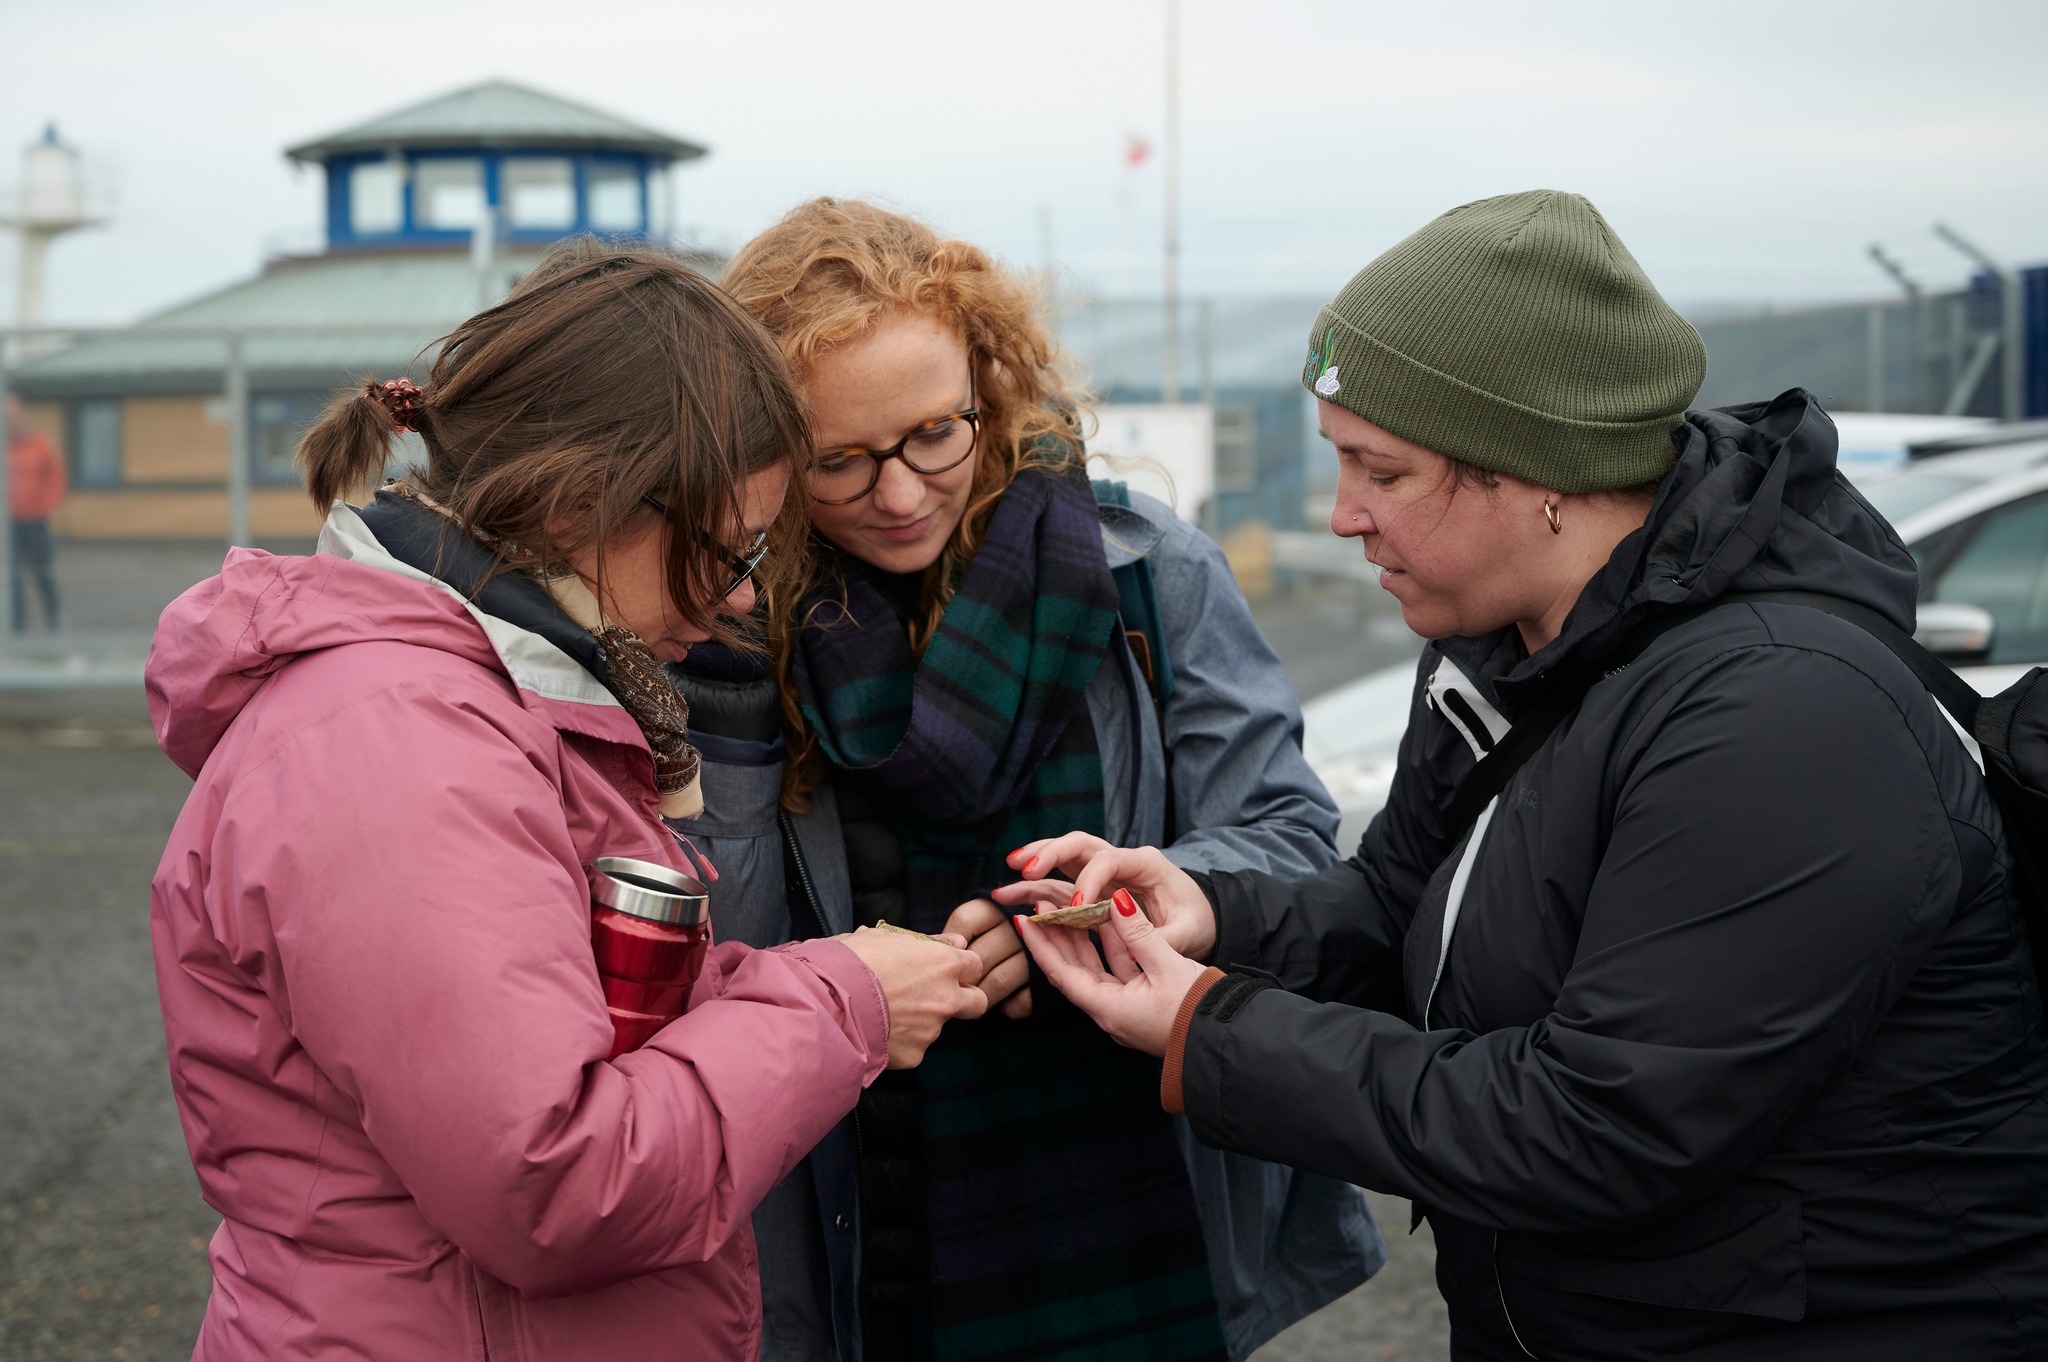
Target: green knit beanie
[[1517, 334]]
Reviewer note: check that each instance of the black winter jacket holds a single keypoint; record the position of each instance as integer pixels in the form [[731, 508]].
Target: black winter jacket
[[1735, 1049]]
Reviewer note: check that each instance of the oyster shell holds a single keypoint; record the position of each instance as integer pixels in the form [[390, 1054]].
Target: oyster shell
[[884, 925], [1080, 915]]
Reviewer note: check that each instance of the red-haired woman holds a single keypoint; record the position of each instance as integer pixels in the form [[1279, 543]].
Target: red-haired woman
[[372, 923], [958, 677]]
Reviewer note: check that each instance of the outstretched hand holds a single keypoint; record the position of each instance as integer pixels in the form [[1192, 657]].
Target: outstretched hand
[[1136, 994], [927, 983], [1169, 897]]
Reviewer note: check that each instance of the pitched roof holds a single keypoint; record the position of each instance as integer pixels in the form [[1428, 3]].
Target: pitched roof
[[496, 113]]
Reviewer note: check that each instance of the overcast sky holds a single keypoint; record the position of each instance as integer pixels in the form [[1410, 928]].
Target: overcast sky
[[1746, 151]]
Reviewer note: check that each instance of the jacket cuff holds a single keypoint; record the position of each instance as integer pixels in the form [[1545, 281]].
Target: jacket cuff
[[866, 1005], [1207, 884], [1177, 1040], [1230, 924]]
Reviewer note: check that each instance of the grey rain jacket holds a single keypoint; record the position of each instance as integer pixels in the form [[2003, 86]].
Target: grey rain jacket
[[1718, 1038], [1282, 1244]]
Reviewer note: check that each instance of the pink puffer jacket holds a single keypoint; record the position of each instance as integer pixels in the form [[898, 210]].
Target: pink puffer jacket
[[386, 1036]]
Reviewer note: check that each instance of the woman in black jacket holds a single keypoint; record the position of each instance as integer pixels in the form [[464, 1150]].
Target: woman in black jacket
[[1716, 1034]]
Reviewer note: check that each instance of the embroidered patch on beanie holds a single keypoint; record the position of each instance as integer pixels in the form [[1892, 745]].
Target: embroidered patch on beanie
[[1326, 383]]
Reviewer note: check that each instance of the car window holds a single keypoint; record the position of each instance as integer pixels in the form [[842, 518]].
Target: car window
[[2004, 569], [1897, 497]]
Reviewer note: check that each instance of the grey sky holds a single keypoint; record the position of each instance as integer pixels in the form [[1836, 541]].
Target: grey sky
[[1746, 151]]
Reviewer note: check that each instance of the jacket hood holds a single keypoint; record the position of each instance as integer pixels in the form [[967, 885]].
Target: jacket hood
[[1754, 503], [218, 643]]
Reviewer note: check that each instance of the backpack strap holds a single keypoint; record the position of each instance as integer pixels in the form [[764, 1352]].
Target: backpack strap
[[1138, 604], [1144, 633], [2019, 798], [1956, 695], [2012, 773], [1498, 767]]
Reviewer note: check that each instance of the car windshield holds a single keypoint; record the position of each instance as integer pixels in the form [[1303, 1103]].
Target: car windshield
[[1903, 494]]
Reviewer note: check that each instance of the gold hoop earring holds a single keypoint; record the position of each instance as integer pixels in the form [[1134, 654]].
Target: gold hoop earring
[[1550, 514]]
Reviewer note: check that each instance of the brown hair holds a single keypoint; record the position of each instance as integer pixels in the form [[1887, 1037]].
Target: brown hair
[[1641, 495], [823, 276], [608, 376]]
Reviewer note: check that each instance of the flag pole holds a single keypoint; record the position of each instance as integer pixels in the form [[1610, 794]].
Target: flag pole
[[1170, 386]]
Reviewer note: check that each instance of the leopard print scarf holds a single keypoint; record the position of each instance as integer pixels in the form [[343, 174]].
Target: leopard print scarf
[[634, 676]]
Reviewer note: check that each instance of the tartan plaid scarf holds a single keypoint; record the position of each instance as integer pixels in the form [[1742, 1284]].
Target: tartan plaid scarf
[[1059, 1216]]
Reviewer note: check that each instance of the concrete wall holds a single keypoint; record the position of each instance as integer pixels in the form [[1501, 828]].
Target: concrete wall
[[174, 439], [153, 513]]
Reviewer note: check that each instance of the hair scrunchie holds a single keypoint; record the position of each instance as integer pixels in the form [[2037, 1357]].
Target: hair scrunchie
[[399, 396]]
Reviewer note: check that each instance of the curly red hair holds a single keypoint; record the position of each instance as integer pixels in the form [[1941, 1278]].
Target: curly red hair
[[822, 277]]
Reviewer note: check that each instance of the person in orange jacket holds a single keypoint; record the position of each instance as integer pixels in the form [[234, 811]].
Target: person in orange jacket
[[36, 486]]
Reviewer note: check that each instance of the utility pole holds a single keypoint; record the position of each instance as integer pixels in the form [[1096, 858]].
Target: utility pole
[[2012, 320], [1916, 311], [1170, 386], [483, 253], [235, 396], [1048, 264]]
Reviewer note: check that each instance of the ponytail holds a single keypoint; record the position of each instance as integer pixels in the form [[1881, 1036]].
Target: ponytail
[[611, 391], [348, 446]]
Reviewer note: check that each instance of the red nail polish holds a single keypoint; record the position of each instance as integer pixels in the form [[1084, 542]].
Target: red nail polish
[[1125, 904], [1076, 901], [1017, 921]]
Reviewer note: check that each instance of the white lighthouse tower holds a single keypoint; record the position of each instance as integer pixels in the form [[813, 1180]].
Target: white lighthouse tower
[[52, 202]]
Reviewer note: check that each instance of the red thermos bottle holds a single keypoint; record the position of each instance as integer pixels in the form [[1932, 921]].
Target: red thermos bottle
[[650, 927]]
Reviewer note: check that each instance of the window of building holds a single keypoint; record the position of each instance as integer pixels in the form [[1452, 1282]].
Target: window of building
[[276, 423], [376, 199], [447, 193], [96, 444], [616, 203], [539, 192]]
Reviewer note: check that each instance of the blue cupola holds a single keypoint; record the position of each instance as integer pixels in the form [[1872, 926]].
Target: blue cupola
[[541, 167]]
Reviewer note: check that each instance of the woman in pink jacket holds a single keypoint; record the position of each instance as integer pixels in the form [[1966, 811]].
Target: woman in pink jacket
[[372, 923]]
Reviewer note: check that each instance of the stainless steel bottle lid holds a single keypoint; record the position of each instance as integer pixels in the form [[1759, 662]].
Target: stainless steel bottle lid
[[644, 889]]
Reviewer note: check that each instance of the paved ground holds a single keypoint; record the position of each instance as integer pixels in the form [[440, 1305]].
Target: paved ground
[[101, 1227]]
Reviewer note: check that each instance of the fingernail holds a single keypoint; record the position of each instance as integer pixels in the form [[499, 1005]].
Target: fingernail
[[1030, 866], [1018, 920], [1076, 903], [1125, 904]]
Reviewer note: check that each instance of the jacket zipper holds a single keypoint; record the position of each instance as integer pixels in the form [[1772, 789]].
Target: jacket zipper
[[803, 879], [1502, 1297], [803, 871]]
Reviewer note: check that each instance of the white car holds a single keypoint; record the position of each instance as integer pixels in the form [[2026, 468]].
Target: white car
[[1977, 523]]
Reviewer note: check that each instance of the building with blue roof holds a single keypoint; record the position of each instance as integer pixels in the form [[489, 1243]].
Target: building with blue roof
[[542, 168]]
